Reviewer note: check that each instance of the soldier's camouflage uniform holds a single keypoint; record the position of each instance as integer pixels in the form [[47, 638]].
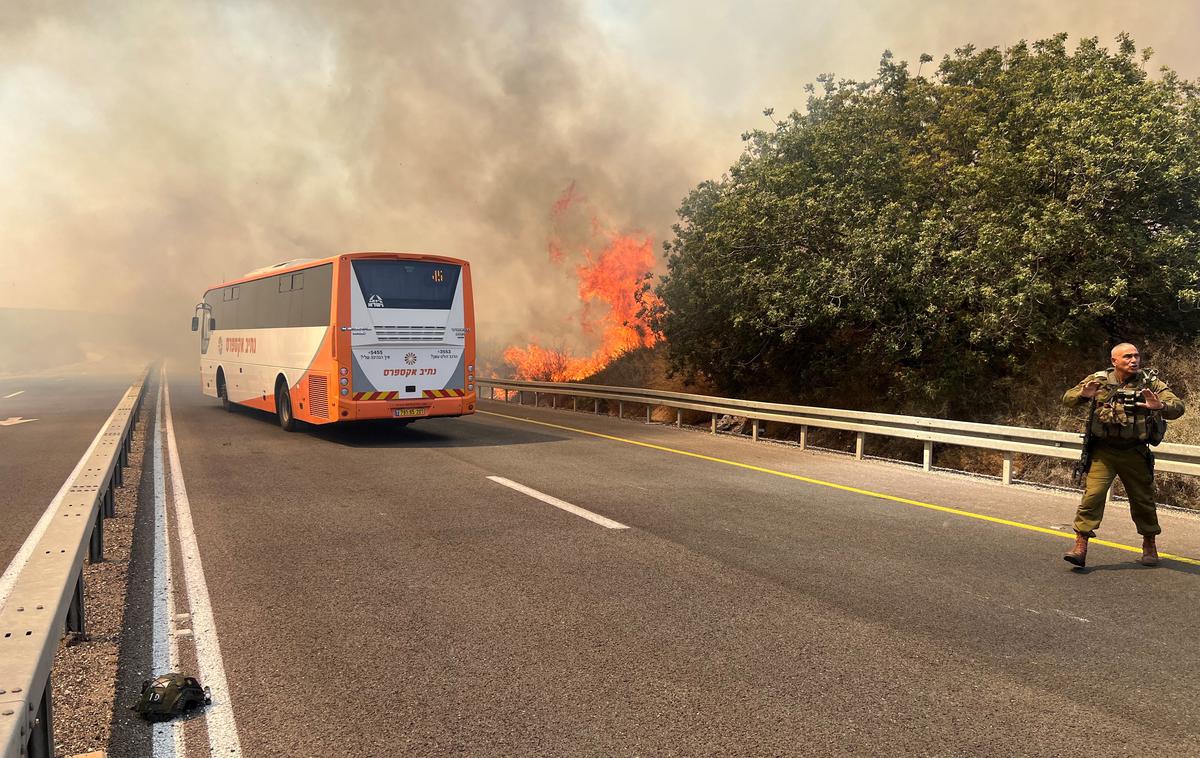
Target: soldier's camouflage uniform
[[1120, 448]]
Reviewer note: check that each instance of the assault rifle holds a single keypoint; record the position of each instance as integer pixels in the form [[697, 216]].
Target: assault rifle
[[1085, 456]]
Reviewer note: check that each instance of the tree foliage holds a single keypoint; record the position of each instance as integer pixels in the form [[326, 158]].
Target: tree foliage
[[929, 234]]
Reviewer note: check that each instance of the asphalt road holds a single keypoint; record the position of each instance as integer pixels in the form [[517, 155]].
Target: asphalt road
[[376, 594], [37, 456]]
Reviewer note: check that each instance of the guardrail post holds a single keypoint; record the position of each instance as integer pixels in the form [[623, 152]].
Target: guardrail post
[[41, 736], [803, 436], [927, 456], [492, 392], [574, 403], [1006, 472], [118, 476], [96, 543], [554, 402], [110, 502], [647, 414], [596, 406], [536, 399], [76, 620], [1108, 498], [713, 429], [520, 397], [620, 409], [679, 418], [859, 442], [754, 429]]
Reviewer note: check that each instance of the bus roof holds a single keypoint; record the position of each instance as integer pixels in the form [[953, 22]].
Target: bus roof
[[299, 264]]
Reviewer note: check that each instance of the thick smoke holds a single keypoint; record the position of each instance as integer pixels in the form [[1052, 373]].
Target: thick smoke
[[162, 148], [151, 149]]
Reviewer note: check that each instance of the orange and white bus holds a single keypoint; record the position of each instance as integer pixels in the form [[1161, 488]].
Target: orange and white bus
[[345, 338]]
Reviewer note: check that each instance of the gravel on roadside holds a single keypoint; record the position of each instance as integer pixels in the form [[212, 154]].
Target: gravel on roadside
[[85, 669]]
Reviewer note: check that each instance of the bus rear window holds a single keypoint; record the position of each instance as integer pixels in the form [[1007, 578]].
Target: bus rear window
[[407, 284]]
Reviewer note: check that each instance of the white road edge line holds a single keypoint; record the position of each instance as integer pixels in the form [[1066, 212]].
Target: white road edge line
[[222, 727], [167, 741], [9, 578], [582, 513], [18, 392]]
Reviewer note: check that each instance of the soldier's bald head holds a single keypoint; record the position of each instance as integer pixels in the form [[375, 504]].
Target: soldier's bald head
[[1126, 360], [1122, 349]]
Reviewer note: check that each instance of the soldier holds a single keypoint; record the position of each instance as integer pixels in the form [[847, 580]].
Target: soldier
[[1122, 429]]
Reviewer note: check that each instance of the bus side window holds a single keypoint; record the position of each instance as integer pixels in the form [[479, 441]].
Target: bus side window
[[295, 314], [297, 282]]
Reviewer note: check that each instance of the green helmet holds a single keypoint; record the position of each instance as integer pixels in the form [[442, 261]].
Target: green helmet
[[170, 695]]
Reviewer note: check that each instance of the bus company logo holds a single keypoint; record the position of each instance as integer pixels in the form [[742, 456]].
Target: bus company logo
[[410, 358], [240, 345], [220, 345], [375, 302]]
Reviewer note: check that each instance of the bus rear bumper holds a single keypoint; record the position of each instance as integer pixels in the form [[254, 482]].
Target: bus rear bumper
[[412, 409]]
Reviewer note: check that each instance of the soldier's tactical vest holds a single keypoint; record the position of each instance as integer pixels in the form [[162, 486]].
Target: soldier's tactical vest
[[1112, 423]]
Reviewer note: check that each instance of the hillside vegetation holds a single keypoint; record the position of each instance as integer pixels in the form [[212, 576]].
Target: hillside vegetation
[[964, 244], [934, 244]]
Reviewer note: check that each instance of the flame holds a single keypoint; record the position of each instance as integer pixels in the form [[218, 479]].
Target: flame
[[608, 287]]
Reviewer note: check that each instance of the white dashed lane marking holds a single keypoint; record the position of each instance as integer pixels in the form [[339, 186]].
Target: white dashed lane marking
[[581, 512]]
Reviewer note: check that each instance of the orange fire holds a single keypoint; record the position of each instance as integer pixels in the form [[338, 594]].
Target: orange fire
[[608, 283]]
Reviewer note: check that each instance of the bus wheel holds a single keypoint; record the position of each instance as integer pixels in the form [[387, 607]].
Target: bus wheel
[[223, 393], [283, 407]]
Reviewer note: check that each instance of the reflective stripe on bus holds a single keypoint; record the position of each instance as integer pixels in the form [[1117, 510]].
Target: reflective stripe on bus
[[396, 395]]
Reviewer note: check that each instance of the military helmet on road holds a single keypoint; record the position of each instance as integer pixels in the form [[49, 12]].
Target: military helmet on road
[[170, 695]]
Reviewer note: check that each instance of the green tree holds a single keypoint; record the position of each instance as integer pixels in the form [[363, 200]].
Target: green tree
[[927, 234]]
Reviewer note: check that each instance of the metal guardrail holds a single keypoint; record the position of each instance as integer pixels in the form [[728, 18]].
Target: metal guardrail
[[1182, 459], [47, 595]]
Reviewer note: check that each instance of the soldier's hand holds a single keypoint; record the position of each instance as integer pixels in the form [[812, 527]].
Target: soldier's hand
[[1152, 402], [1090, 389]]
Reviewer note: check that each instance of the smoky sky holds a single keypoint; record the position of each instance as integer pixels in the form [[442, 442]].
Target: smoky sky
[[151, 149]]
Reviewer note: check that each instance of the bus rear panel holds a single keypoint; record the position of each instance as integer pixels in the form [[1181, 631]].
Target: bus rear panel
[[409, 339], [351, 337]]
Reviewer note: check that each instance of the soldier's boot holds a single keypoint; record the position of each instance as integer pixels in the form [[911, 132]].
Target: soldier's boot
[[1149, 551], [1078, 554]]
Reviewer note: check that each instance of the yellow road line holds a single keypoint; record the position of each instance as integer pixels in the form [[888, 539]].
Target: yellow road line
[[844, 488]]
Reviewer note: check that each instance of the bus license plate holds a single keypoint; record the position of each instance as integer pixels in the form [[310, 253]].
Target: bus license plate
[[400, 412]]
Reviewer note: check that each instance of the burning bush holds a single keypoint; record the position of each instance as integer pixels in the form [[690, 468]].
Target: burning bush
[[611, 300]]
